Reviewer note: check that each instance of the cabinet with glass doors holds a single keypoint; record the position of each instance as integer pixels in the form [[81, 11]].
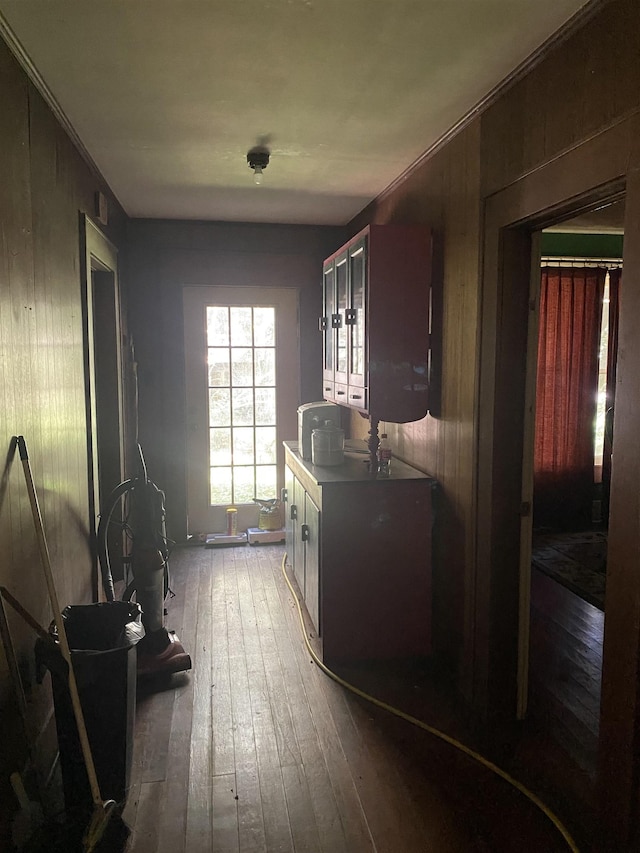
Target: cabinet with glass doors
[[375, 323]]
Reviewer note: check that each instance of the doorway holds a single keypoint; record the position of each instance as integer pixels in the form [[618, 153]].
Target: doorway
[[103, 372], [575, 360], [601, 168], [242, 392]]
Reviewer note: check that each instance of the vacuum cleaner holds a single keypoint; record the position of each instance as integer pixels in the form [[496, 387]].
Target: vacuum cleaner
[[134, 517]]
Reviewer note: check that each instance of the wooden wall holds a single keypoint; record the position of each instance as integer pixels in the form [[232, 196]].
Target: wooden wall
[[589, 83], [567, 125], [582, 89], [44, 184], [164, 257], [444, 194]]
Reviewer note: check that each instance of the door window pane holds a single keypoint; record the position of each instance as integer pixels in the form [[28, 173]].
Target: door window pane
[[264, 329], [219, 446], [244, 490], [241, 327], [243, 406], [243, 446], [265, 445], [241, 366], [218, 359], [265, 405], [221, 490], [266, 481], [217, 326], [265, 363], [219, 408]]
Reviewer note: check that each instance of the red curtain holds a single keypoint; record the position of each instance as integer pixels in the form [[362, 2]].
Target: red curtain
[[615, 278], [566, 389]]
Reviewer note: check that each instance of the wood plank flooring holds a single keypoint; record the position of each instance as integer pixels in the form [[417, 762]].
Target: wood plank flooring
[[566, 669], [555, 752], [257, 751]]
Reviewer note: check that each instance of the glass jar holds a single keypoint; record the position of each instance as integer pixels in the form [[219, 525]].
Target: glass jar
[[327, 445]]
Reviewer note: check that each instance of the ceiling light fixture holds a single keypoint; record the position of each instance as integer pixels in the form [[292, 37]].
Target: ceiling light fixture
[[258, 160]]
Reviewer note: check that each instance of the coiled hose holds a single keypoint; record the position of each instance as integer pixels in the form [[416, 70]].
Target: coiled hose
[[480, 759]]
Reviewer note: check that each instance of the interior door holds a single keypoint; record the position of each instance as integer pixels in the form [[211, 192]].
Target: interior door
[[242, 394]]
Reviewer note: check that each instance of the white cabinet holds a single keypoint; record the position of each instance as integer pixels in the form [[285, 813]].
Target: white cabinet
[[360, 549], [303, 542]]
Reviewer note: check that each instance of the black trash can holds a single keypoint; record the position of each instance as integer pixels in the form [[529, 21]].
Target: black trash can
[[102, 638]]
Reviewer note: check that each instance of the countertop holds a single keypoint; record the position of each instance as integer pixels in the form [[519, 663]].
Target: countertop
[[355, 467]]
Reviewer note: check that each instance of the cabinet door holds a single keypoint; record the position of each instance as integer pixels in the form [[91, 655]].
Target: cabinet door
[[298, 542], [356, 314], [340, 320], [311, 536], [289, 480], [327, 324]]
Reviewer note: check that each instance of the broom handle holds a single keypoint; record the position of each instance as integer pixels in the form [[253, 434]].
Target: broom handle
[[59, 621]]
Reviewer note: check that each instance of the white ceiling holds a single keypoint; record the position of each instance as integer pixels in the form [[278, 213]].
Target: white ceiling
[[167, 96]]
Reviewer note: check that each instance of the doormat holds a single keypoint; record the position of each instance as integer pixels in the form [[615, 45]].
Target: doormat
[[578, 561]]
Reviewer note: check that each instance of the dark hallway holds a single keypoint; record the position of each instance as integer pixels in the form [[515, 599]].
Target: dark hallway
[[257, 750]]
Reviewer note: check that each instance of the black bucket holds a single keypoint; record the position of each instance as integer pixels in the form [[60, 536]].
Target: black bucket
[[102, 638]]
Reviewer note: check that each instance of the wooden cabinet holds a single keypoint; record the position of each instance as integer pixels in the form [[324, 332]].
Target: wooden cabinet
[[302, 528], [375, 322], [362, 555]]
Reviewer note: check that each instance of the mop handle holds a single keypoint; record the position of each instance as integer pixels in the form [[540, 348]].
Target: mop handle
[[59, 622]]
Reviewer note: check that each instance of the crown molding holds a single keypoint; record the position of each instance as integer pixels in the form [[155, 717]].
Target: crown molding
[[24, 60], [571, 26]]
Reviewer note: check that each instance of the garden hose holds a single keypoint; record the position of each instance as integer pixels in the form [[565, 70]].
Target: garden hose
[[480, 759]]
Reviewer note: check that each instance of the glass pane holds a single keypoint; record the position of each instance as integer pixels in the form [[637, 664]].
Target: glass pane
[[264, 327], [265, 445], [341, 342], [265, 405], [220, 492], [266, 482], [244, 490], [219, 366], [217, 326], [219, 447], [357, 303], [243, 407], [241, 327], [329, 309], [219, 408], [241, 366], [265, 366], [243, 453]]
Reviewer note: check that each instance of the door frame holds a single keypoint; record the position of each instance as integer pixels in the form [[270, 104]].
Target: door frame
[[526, 497], [600, 169], [99, 255]]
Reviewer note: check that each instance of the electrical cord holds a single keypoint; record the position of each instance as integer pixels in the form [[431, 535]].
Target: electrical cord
[[480, 759]]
